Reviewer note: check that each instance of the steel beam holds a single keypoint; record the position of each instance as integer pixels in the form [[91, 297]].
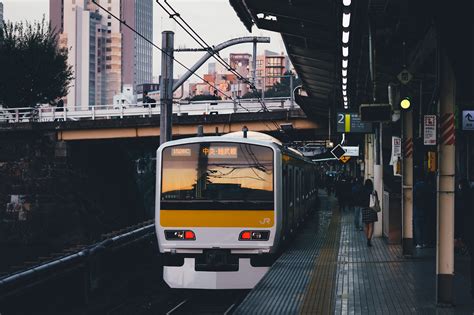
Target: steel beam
[[232, 42]]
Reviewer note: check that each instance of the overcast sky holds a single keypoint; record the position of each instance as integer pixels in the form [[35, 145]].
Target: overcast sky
[[214, 20]]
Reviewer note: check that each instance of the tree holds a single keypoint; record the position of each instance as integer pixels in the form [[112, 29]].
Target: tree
[[34, 68], [282, 88], [279, 89]]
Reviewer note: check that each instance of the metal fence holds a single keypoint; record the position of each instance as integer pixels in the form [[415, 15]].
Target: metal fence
[[51, 113]]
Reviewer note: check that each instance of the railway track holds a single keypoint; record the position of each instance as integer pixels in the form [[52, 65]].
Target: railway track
[[207, 302]]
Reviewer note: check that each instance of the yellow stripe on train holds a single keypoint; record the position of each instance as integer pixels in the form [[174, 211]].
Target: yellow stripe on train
[[217, 218]]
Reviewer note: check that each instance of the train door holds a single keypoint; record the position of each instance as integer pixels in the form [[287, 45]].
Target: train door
[[291, 199], [298, 196], [285, 202]]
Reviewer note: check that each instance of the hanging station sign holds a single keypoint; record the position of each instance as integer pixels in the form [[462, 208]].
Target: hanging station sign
[[350, 122], [429, 130], [468, 120]]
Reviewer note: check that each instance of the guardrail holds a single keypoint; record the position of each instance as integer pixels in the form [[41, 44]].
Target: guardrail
[[51, 113], [86, 266]]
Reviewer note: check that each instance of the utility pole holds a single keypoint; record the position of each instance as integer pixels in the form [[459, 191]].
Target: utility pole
[[407, 183], [166, 86], [446, 185], [254, 63]]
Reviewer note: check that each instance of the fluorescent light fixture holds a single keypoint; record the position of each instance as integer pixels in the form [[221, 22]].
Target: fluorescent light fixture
[[345, 98], [345, 51], [345, 37], [345, 62], [344, 92], [344, 80], [344, 86], [345, 103], [346, 19], [344, 72], [346, 107], [346, 2]]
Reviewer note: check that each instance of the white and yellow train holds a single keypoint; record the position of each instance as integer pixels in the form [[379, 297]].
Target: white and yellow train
[[225, 206]]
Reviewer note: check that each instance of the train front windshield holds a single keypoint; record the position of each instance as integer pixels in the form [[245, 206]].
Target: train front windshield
[[216, 172]]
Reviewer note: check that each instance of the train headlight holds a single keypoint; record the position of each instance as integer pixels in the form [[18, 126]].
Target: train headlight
[[180, 235], [254, 236]]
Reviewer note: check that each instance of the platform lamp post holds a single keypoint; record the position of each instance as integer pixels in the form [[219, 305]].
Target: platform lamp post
[[166, 86]]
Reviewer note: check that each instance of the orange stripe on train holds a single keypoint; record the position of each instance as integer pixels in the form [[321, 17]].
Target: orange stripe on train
[[217, 218]]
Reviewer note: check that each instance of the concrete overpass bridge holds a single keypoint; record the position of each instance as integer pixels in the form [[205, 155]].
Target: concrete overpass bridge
[[138, 120]]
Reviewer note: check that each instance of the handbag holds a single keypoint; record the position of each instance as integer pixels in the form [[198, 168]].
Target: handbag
[[374, 202]]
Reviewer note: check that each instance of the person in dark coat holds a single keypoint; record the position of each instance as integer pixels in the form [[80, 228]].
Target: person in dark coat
[[356, 191], [464, 202], [369, 216]]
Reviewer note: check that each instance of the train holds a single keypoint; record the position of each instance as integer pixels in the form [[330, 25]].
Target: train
[[226, 205]]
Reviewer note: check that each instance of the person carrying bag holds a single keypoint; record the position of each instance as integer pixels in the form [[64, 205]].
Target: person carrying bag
[[374, 202], [371, 206]]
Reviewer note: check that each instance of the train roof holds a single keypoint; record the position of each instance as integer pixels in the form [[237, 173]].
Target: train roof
[[253, 135]]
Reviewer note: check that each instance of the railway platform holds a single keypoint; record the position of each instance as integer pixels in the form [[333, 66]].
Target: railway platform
[[330, 270]]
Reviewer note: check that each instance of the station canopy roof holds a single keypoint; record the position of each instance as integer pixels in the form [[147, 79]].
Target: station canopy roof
[[309, 31]]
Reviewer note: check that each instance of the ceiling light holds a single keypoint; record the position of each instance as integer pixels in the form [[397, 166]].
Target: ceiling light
[[345, 103], [346, 19], [344, 80], [345, 37], [344, 92], [344, 86], [344, 72], [345, 51], [345, 98], [346, 2], [345, 62]]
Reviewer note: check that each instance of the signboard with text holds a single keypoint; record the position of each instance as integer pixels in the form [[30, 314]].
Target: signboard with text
[[429, 130], [468, 120], [350, 122], [351, 150]]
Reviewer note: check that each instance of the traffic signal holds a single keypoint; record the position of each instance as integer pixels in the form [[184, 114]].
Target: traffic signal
[[405, 103]]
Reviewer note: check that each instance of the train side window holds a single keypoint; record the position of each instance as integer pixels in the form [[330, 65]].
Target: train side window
[[291, 185]]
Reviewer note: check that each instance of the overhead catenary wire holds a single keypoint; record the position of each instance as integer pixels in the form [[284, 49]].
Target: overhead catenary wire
[[160, 49], [177, 61], [189, 29], [173, 14]]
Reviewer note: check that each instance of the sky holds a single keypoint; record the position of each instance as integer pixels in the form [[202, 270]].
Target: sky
[[214, 20]]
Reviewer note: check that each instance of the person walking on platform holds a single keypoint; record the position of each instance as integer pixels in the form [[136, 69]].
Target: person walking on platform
[[464, 202], [369, 215], [356, 191]]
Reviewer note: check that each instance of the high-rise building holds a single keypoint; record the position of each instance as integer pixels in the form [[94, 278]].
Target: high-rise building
[[137, 53], [270, 67], [104, 55], [1, 12]]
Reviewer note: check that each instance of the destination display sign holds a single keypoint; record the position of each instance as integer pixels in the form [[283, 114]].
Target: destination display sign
[[350, 122], [180, 151], [221, 152]]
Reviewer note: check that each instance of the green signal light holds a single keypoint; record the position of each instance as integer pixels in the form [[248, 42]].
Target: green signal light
[[405, 103]]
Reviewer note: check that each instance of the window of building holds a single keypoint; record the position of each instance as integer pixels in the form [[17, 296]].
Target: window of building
[[109, 24], [108, 58]]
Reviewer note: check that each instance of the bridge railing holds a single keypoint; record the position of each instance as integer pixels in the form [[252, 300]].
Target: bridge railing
[[51, 113]]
